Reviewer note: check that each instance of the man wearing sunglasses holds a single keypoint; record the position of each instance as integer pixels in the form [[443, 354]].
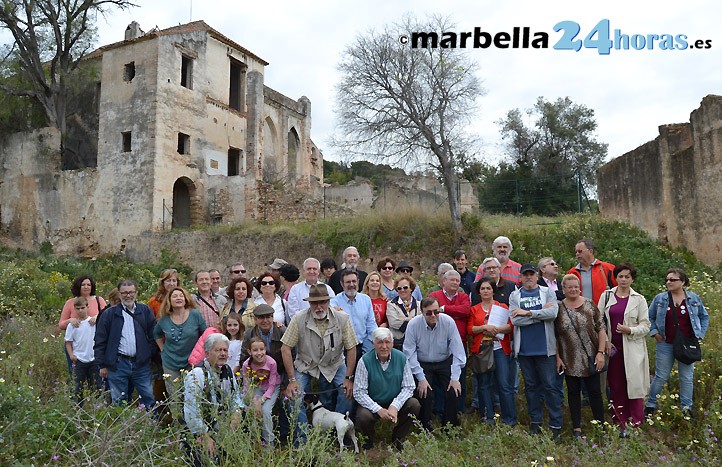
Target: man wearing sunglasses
[[234, 271], [548, 275], [436, 355]]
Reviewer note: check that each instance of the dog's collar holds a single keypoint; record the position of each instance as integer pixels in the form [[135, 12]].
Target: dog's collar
[[319, 406]]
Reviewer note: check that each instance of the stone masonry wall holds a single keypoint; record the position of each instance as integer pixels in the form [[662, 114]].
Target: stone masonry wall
[[670, 187]]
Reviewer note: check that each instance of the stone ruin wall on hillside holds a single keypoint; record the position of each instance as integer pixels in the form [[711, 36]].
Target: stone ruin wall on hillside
[[670, 187]]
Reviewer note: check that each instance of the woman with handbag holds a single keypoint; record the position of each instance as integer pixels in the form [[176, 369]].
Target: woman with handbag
[[627, 322], [581, 350], [679, 321], [490, 357]]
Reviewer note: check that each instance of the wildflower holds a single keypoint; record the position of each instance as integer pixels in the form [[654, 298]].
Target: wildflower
[[550, 459], [2, 380], [166, 376], [45, 339]]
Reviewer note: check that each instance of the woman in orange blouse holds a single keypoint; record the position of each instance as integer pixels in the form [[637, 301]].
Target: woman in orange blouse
[[480, 330]]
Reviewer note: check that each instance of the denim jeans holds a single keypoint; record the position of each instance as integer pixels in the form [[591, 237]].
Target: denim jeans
[[540, 385], [267, 412], [292, 408], [504, 376], [126, 371], [486, 405], [86, 377], [335, 401], [664, 361]]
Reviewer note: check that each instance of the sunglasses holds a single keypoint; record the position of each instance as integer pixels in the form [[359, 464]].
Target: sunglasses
[[239, 271], [405, 270], [387, 268], [433, 312], [403, 287], [268, 283], [672, 279]]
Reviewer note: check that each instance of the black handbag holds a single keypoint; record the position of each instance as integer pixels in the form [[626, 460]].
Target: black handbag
[[686, 350], [483, 362], [591, 359]]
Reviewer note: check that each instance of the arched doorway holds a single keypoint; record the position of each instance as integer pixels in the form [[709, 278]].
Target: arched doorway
[[293, 144], [270, 145], [183, 188]]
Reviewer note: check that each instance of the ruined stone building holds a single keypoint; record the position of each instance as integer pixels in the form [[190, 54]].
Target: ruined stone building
[[671, 187], [177, 129]]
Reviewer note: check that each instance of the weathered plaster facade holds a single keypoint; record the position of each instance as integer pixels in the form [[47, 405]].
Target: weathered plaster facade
[[670, 187], [186, 130]]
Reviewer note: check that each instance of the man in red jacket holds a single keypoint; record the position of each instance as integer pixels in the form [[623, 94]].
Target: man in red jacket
[[594, 275], [455, 303]]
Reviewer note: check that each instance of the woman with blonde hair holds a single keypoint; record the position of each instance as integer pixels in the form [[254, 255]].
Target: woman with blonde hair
[[167, 281], [178, 328], [581, 350], [401, 309], [373, 287]]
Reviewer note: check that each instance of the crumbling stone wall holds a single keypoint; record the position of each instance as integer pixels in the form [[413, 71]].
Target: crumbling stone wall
[[670, 187]]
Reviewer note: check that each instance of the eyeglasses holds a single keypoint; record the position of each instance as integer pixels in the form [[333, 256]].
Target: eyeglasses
[[491, 267], [405, 270], [239, 271], [125, 294], [672, 279], [268, 283], [403, 287], [551, 264], [387, 268], [265, 317], [433, 312]]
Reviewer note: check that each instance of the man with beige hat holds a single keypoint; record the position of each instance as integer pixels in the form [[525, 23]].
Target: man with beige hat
[[320, 336]]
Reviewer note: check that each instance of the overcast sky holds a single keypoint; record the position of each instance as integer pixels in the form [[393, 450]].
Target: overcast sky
[[631, 91]]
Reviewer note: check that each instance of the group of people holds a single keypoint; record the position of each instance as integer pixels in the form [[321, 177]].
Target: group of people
[[372, 346]]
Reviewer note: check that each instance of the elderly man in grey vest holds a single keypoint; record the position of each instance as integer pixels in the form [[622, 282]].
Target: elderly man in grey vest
[[320, 335], [383, 388]]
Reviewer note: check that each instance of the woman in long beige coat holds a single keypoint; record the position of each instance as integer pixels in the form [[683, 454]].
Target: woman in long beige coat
[[627, 318]]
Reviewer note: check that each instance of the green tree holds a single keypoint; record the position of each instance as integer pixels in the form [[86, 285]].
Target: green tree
[[18, 113], [514, 189], [408, 105], [554, 138], [51, 37]]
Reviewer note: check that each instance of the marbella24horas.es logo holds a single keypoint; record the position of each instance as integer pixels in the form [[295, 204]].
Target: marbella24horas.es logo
[[601, 37]]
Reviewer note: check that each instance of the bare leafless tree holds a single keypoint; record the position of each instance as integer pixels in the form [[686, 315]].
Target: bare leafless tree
[[408, 105], [50, 39]]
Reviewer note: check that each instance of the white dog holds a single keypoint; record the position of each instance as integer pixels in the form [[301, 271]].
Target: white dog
[[326, 420]]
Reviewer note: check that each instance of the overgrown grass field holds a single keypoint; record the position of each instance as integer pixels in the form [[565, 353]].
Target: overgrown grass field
[[40, 424]]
